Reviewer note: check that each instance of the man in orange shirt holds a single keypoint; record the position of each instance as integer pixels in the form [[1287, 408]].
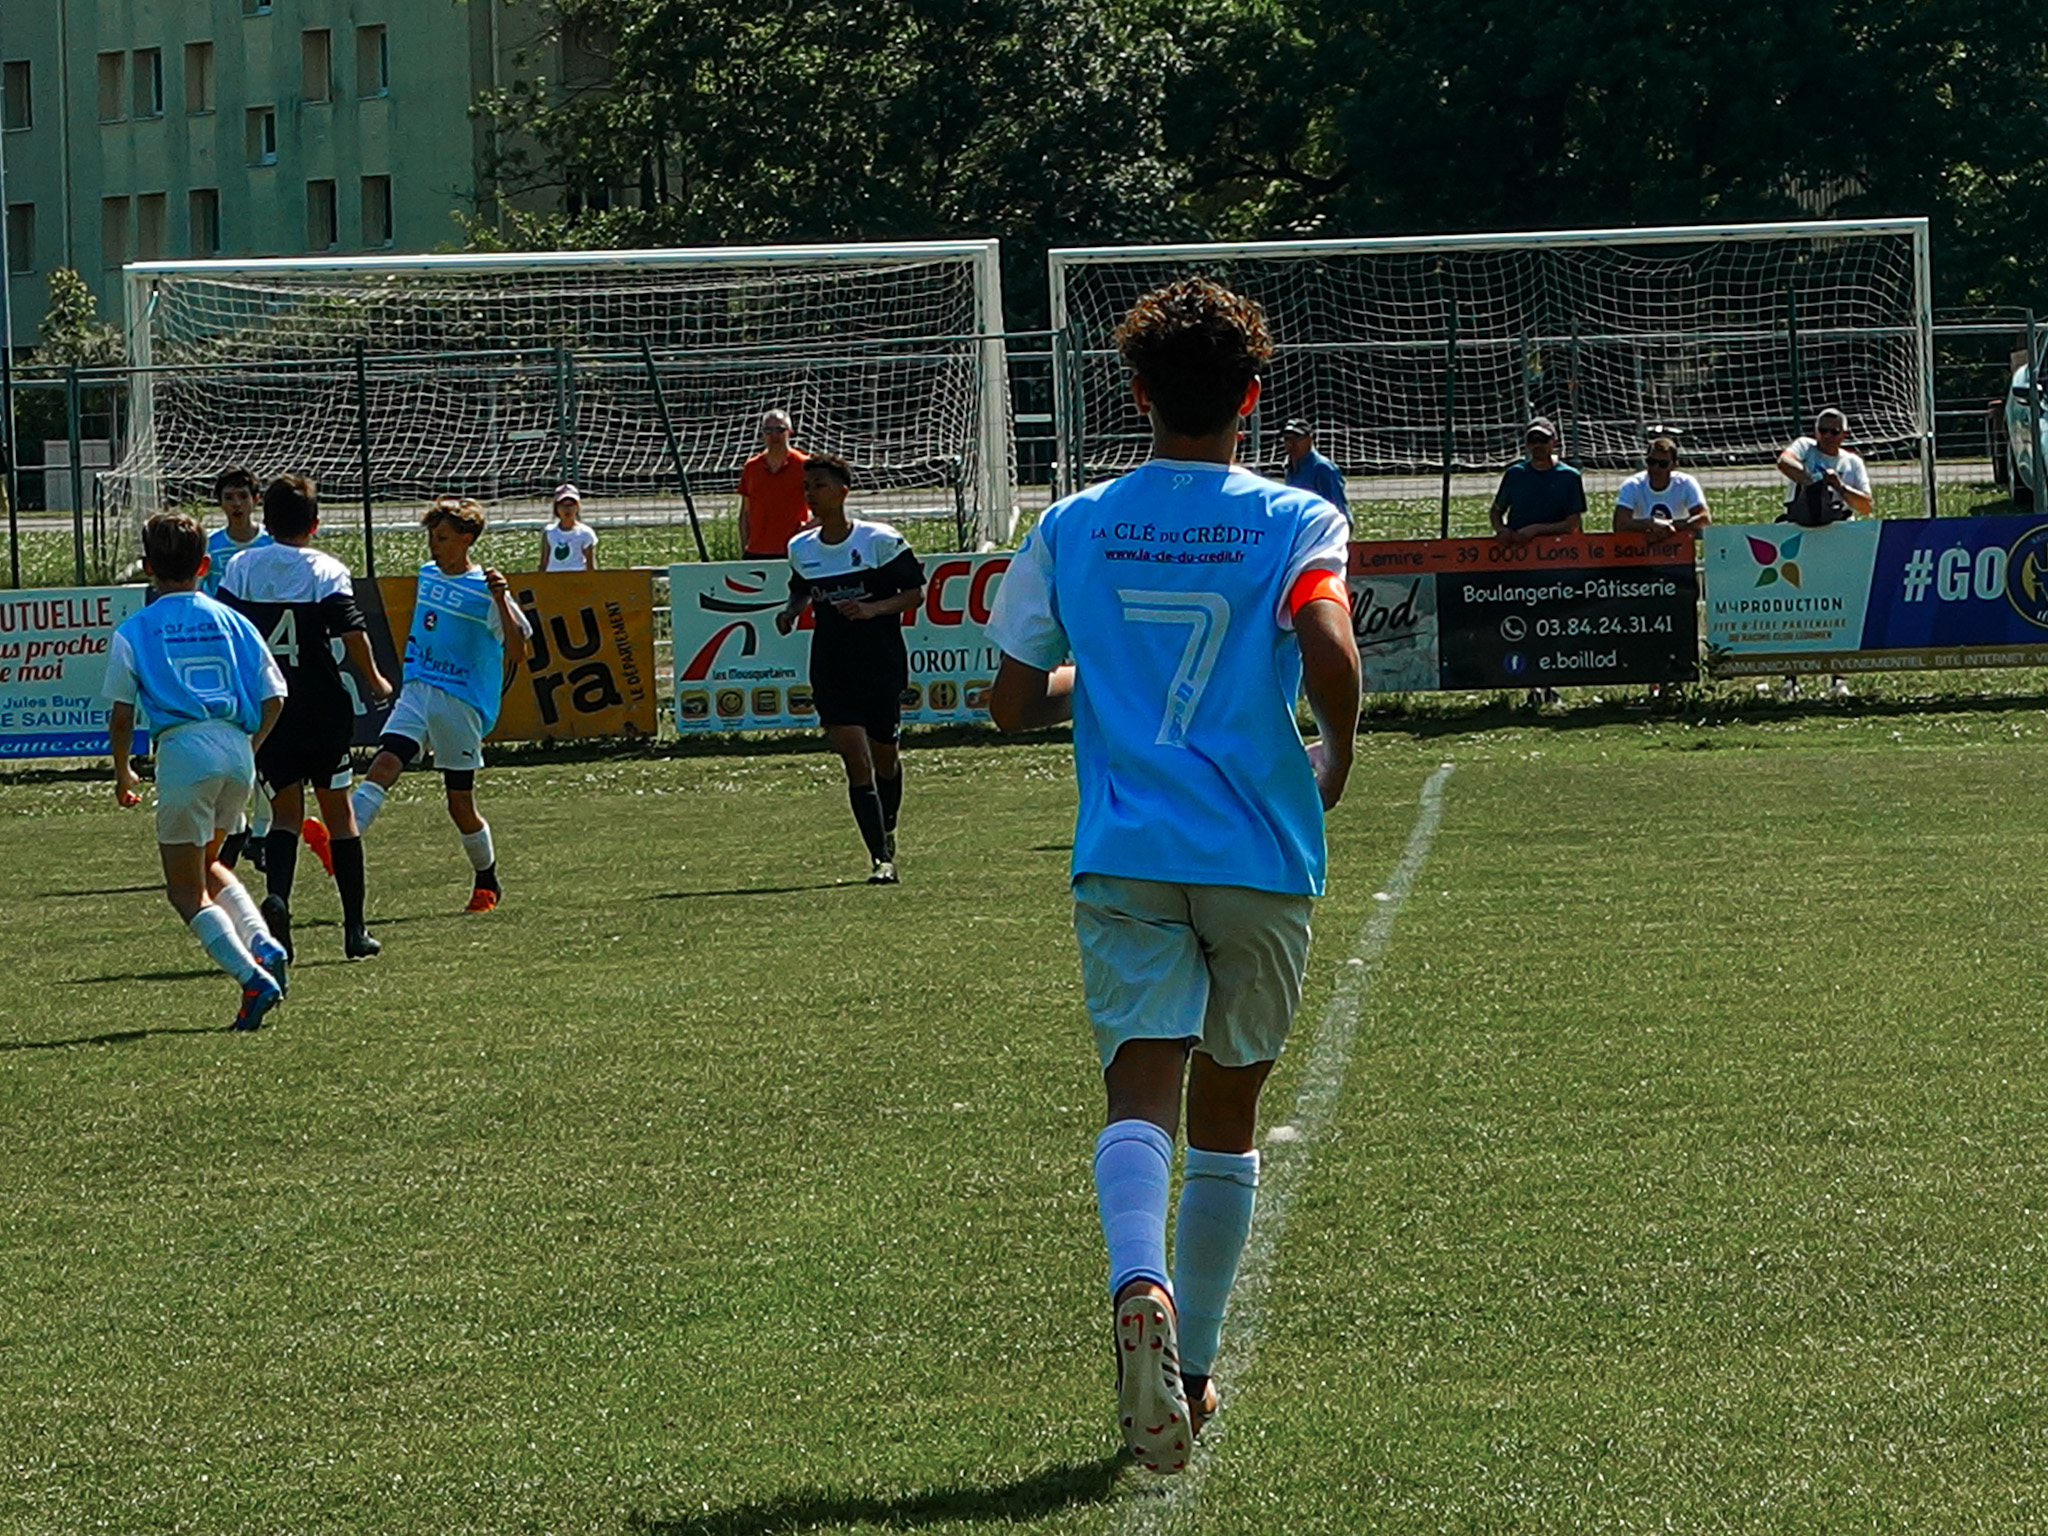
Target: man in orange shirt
[[772, 493]]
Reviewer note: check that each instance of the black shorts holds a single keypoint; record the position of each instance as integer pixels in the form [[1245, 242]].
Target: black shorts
[[873, 701], [309, 747]]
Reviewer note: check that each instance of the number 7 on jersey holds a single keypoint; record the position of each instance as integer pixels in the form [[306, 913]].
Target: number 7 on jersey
[[1206, 616]]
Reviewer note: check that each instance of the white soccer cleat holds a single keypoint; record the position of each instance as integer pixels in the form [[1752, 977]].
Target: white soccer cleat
[[1151, 1406], [884, 873]]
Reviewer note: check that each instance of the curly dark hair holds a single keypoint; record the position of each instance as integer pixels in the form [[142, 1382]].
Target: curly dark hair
[[1196, 345]]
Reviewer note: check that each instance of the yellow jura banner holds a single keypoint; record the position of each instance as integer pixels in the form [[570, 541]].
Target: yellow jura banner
[[591, 670]]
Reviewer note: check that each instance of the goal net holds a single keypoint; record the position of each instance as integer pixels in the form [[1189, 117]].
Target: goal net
[[630, 373], [1413, 355]]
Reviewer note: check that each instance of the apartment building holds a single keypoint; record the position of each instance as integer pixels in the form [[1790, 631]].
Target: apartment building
[[163, 129]]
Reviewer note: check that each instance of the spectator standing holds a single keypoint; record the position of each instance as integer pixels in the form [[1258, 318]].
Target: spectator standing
[[571, 544], [1824, 459], [1539, 493], [1663, 499], [772, 506], [1308, 469]]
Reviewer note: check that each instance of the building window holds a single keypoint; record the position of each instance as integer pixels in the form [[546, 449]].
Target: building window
[[19, 106], [316, 65], [113, 86], [21, 237], [377, 211], [151, 214], [260, 135], [114, 231], [203, 206], [321, 233], [373, 62], [149, 82], [255, 7], [199, 77]]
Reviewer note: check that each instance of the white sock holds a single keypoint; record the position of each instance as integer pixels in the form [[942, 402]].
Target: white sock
[[234, 899], [259, 813], [1216, 1194], [477, 845], [212, 928], [368, 800], [1132, 1163]]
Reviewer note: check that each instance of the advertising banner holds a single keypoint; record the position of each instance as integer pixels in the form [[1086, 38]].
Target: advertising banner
[[1479, 613], [735, 673], [53, 663], [1874, 595], [591, 671]]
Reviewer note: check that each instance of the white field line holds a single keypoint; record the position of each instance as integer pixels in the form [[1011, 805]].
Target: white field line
[[1289, 1149]]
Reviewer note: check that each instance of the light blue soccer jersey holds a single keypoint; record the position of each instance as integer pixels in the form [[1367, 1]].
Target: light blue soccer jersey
[[1169, 588], [220, 549], [456, 642], [185, 658]]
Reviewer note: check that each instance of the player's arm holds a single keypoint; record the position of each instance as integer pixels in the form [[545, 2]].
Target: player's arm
[[799, 599], [355, 644], [1331, 677], [272, 708], [515, 633], [1025, 697], [121, 737]]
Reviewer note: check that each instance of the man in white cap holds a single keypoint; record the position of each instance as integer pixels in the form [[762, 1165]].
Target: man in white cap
[[772, 506], [571, 544]]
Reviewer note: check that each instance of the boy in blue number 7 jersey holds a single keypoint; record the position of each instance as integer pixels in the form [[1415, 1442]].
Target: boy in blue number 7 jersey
[[204, 678], [463, 619], [1174, 615]]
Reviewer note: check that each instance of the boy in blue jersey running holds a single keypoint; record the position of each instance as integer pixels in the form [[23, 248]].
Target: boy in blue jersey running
[[1174, 615], [462, 621], [204, 679]]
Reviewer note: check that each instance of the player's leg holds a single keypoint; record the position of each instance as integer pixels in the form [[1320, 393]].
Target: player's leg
[[226, 890], [885, 731], [1146, 989], [281, 855], [190, 784], [395, 751], [1255, 946], [350, 880], [460, 785], [849, 738]]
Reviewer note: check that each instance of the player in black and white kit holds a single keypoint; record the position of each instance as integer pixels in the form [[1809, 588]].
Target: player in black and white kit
[[858, 578], [302, 602]]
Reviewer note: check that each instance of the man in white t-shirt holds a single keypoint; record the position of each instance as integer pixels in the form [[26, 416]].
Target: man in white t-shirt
[[1823, 459], [1663, 499]]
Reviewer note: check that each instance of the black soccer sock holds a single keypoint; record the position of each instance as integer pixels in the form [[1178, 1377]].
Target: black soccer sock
[[348, 879], [487, 879], [231, 848], [891, 791], [867, 814], [280, 861]]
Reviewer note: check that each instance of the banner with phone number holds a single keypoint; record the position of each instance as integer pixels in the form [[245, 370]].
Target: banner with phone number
[[1908, 594], [53, 664], [1433, 614], [735, 673]]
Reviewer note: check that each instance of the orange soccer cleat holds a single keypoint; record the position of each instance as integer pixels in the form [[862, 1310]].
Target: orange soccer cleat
[[481, 900], [314, 835]]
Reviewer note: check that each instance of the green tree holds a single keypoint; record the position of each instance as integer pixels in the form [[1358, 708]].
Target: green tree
[[72, 333]]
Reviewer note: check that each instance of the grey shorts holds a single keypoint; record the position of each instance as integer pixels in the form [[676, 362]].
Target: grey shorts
[[1219, 965]]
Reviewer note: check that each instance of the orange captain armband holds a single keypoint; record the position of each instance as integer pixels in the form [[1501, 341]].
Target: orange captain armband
[[1314, 585]]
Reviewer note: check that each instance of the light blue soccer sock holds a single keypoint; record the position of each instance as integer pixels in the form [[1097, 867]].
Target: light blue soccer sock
[[368, 800], [1216, 1194], [213, 929], [1133, 1163]]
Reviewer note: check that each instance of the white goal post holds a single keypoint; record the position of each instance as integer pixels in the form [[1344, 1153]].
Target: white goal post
[[629, 372], [1416, 356]]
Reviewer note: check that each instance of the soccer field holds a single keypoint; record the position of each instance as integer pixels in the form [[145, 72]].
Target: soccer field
[[1670, 1153]]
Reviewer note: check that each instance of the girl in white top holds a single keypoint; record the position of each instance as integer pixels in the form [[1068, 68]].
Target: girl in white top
[[1663, 498], [571, 545]]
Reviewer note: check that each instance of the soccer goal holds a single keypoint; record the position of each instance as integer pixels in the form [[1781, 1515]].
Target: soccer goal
[[634, 374], [1416, 358]]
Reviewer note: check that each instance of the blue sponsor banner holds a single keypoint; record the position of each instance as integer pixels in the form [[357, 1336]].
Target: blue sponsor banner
[[1873, 595], [53, 664]]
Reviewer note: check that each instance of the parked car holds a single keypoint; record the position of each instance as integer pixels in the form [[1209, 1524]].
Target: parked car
[[2023, 443]]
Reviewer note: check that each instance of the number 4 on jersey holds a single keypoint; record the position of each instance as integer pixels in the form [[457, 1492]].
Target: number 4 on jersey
[[1206, 616]]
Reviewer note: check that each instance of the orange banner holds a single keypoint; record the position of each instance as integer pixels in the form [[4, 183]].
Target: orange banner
[[590, 671]]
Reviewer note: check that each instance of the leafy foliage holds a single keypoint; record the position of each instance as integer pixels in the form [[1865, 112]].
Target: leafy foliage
[[72, 334]]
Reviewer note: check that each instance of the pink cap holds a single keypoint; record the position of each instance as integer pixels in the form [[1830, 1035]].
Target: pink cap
[[567, 492]]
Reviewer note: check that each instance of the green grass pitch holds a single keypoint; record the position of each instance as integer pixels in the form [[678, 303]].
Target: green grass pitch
[[1689, 1170]]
